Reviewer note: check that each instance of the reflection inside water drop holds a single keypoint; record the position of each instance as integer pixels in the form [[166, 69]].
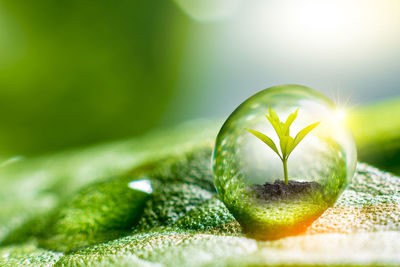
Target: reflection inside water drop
[[143, 185], [325, 159]]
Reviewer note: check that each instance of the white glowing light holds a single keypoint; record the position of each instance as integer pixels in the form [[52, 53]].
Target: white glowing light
[[339, 115], [141, 185], [342, 32]]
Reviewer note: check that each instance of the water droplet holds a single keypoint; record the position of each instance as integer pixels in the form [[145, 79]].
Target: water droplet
[[142, 185], [249, 174]]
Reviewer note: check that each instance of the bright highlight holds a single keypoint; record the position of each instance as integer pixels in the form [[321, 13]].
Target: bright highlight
[[141, 185], [339, 115]]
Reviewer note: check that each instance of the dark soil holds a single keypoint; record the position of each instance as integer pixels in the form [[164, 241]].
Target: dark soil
[[280, 191]]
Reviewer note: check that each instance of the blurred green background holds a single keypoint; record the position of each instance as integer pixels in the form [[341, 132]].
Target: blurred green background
[[82, 72], [79, 72]]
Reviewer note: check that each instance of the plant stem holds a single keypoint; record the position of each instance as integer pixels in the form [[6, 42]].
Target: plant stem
[[285, 171]]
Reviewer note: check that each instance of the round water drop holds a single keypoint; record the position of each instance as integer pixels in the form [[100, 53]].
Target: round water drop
[[281, 159]]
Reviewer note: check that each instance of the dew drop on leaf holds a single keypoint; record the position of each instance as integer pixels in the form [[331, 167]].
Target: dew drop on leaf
[[249, 173]]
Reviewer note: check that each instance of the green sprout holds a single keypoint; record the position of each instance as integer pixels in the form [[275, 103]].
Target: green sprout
[[287, 143]]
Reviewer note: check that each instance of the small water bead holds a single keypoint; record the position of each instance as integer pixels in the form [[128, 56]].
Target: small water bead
[[249, 175]]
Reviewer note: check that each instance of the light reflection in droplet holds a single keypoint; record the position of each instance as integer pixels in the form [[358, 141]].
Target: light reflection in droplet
[[325, 158], [142, 185]]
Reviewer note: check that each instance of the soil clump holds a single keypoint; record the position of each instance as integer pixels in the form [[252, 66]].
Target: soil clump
[[278, 190]]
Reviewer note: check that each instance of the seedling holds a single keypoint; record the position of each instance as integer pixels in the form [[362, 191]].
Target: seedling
[[287, 143]]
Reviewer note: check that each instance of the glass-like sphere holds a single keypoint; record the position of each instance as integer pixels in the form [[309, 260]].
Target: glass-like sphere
[[249, 174]]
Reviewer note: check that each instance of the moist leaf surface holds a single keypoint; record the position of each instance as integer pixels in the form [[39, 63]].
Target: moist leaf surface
[[182, 222]]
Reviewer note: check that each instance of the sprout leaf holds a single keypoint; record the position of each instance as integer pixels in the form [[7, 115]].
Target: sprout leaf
[[266, 140], [289, 122], [286, 142], [300, 135], [276, 125]]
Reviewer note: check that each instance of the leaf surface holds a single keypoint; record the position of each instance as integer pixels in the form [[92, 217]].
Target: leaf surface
[[286, 145], [289, 122], [300, 135], [275, 122], [268, 141], [198, 231]]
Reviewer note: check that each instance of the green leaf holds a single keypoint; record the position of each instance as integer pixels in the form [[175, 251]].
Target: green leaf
[[275, 122], [273, 115], [283, 142], [204, 228], [289, 145], [286, 143], [268, 141], [276, 126], [300, 135], [283, 130], [289, 122]]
